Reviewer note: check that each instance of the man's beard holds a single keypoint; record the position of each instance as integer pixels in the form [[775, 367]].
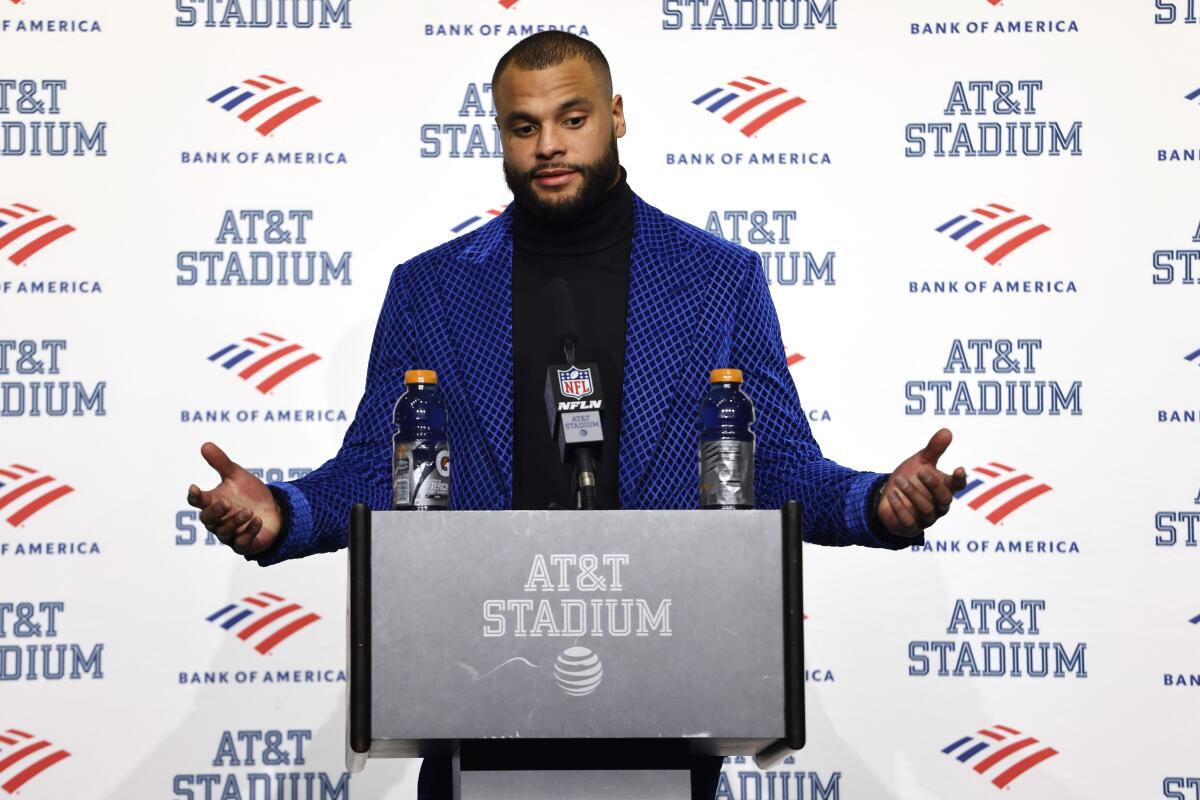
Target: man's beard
[[596, 178]]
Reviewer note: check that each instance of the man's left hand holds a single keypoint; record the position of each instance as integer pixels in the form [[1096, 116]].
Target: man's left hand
[[917, 493]]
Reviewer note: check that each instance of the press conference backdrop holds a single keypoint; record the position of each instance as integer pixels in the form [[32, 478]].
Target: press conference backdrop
[[972, 214]]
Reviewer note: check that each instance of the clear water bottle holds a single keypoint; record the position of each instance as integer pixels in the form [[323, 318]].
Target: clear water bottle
[[420, 449], [726, 443]]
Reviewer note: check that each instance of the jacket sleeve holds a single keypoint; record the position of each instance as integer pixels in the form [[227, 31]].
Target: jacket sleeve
[[316, 508], [788, 464]]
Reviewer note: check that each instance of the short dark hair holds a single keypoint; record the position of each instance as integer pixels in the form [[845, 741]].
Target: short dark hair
[[551, 48]]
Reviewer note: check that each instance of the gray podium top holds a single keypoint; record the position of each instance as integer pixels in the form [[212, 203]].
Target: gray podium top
[[644, 625]]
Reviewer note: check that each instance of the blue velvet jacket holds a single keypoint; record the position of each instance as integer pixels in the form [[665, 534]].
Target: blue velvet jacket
[[696, 302]]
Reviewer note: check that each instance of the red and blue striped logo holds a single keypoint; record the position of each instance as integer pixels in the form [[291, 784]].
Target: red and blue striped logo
[[1001, 750], [1001, 490], [24, 491], [478, 220], [265, 620], [266, 102], [266, 358], [994, 229], [24, 231], [749, 102], [23, 757]]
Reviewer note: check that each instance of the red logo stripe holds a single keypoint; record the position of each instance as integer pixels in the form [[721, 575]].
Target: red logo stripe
[[771, 115], [12, 214], [283, 116], [1018, 501], [1006, 468], [33, 770], [743, 86], [30, 209], [25, 252], [1003, 753], [287, 372], [17, 755], [257, 341], [268, 594], [267, 102], [984, 238], [1015, 242], [751, 103], [271, 78], [759, 81], [508, 3], [256, 84], [20, 230], [22, 734], [263, 622], [992, 735], [254, 601], [7, 740], [23, 489], [37, 505], [268, 359], [284, 632], [8, 474], [1021, 767], [997, 489], [985, 213]]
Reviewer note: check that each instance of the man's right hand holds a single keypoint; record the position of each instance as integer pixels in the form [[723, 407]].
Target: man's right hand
[[240, 510]]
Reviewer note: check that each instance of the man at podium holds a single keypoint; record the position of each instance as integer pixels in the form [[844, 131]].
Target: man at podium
[[661, 304]]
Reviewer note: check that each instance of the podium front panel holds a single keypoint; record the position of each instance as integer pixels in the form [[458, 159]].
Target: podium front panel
[[576, 625]]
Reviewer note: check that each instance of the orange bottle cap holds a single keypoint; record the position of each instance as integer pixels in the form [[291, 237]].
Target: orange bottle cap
[[420, 376], [725, 376]]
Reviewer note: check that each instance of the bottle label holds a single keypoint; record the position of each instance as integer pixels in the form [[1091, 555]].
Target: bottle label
[[421, 475], [726, 474]]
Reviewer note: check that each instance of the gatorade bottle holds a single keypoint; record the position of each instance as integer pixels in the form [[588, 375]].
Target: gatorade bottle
[[420, 450], [726, 443]]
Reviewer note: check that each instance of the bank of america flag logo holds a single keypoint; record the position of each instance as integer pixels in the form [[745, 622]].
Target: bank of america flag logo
[[1000, 753], [265, 620], [24, 231], [998, 490], [265, 359], [24, 491], [478, 220], [749, 103], [23, 757], [266, 102], [993, 231]]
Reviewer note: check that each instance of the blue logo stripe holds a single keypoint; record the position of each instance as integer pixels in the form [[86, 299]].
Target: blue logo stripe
[[237, 101], [968, 753], [1195, 620], [968, 488], [236, 618], [221, 352], [242, 356], [723, 101], [951, 223], [462, 225], [706, 95], [223, 611], [2, 223], [1192, 356], [965, 229], [956, 745], [1194, 95], [219, 95]]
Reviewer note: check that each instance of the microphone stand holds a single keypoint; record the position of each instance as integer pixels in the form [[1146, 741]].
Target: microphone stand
[[585, 462]]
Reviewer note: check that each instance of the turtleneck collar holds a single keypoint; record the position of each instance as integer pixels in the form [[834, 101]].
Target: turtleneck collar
[[607, 224]]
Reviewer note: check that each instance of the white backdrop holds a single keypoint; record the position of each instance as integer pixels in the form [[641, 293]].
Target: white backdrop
[[109, 585]]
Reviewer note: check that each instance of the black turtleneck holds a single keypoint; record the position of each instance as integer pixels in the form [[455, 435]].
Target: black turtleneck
[[592, 253]]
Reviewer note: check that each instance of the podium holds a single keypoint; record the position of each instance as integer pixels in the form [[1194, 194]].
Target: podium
[[574, 654]]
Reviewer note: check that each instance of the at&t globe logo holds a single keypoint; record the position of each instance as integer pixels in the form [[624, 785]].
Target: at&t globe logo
[[578, 671]]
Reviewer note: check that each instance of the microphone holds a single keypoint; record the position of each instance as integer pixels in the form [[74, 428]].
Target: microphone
[[563, 308], [574, 399]]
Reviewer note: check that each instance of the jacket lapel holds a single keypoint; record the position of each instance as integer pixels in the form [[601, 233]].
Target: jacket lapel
[[478, 290], [665, 297]]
